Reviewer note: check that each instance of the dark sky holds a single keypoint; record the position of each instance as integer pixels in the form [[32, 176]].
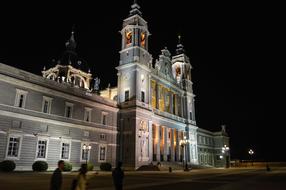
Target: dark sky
[[232, 47]]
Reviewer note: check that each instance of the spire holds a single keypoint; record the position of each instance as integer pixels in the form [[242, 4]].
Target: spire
[[180, 48], [71, 44], [135, 9]]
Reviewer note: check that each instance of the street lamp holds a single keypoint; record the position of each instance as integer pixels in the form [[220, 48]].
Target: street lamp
[[184, 143], [86, 148], [251, 152], [225, 150]]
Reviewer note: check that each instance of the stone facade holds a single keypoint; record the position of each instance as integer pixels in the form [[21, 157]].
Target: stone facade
[[149, 116]]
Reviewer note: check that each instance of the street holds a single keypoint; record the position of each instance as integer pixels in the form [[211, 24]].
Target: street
[[215, 179]]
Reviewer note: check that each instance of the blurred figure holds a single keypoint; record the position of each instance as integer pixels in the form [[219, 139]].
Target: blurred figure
[[81, 183], [56, 179], [118, 175]]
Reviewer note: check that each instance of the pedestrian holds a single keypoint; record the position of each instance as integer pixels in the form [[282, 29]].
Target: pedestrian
[[56, 179], [118, 175], [81, 180]]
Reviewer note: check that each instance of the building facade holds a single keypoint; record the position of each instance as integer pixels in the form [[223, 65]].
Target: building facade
[[148, 117]]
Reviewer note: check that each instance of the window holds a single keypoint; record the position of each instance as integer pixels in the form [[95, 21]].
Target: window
[[13, 149], [86, 133], [20, 99], [102, 137], [65, 150], [103, 118], [85, 154], [87, 114], [102, 153], [191, 116], [42, 148], [142, 96], [47, 102], [126, 95], [68, 110]]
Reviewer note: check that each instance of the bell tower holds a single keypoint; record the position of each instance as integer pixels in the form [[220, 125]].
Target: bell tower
[[135, 36], [135, 60], [181, 67], [133, 91]]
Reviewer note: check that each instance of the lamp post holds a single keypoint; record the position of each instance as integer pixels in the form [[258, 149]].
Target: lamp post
[[184, 143], [86, 149], [225, 152], [251, 152]]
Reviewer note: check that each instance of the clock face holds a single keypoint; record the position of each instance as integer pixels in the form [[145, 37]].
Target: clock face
[[128, 37], [143, 39]]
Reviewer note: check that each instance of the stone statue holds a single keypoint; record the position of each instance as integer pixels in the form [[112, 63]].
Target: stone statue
[[96, 84]]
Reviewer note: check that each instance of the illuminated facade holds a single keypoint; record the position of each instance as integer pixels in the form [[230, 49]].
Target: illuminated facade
[[140, 121]]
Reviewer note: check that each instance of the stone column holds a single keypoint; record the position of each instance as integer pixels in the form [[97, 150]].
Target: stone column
[[177, 144], [119, 91], [165, 143], [157, 95], [172, 145], [182, 106], [150, 140], [171, 102], [149, 92], [158, 142]]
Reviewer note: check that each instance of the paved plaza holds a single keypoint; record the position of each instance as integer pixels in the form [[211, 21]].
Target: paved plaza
[[215, 179]]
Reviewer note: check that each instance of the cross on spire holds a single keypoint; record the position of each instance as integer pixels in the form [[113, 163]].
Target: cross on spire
[[180, 47], [135, 9]]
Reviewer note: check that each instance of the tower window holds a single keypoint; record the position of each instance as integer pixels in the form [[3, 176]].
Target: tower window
[[191, 116], [128, 37], [143, 39], [142, 96], [126, 95]]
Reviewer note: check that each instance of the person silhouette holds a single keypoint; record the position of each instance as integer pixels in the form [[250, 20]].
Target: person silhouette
[[56, 179], [118, 175]]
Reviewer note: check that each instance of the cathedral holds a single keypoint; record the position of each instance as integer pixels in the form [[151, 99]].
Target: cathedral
[[148, 118]]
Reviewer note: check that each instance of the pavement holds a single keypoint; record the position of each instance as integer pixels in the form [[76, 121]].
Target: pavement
[[256, 178]]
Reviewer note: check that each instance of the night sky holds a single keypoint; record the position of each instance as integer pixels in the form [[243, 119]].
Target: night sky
[[231, 46]]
